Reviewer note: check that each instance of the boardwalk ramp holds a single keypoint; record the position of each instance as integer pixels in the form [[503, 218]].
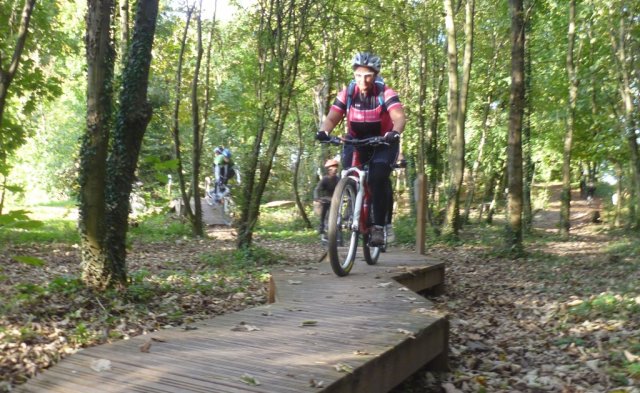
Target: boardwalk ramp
[[366, 332]]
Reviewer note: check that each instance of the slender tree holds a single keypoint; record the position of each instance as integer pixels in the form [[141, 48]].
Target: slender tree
[[175, 129], [513, 235], [620, 38], [283, 27], [7, 74], [457, 112], [6, 77], [296, 170], [565, 204], [196, 148]]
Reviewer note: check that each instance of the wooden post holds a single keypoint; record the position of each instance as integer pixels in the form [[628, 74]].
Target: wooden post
[[420, 216]]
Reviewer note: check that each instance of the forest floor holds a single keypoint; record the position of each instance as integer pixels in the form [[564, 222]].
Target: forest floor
[[564, 318]]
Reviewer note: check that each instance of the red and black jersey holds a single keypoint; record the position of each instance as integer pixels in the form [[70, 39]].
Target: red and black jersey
[[367, 117]]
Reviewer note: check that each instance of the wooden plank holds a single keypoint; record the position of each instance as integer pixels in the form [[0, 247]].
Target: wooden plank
[[366, 312]]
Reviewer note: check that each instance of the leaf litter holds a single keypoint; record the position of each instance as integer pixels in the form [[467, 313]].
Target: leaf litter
[[51, 315], [564, 318]]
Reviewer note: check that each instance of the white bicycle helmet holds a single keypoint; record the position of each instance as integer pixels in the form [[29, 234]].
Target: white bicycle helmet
[[366, 59]]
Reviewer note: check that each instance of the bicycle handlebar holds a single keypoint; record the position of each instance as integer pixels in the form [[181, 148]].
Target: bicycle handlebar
[[372, 141]]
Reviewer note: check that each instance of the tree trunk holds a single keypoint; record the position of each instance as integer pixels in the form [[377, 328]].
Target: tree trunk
[[565, 200], [207, 77], [471, 188], [131, 123], [196, 150], [450, 226], [529, 167], [296, 172], [421, 176], [6, 76], [434, 170], [618, 199], [279, 45], [513, 235], [96, 270], [124, 28], [619, 47], [457, 113], [175, 131], [497, 192]]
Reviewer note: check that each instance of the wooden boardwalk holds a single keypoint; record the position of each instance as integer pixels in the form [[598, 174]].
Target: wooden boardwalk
[[366, 333]]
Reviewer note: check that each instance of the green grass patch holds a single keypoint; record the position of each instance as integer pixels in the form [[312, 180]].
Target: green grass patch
[[159, 228], [48, 230], [250, 260], [285, 223], [626, 246], [606, 305]]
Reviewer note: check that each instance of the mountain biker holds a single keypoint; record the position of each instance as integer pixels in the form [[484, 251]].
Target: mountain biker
[[223, 170], [324, 191], [369, 116]]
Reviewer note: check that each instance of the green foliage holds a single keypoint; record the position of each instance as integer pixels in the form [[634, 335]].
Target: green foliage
[[52, 36], [81, 335], [158, 227], [606, 305], [634, 370], [19, 219], [67, 285], [239, 260], [28, 260], [404, 228], [284, 223], [49, 231]]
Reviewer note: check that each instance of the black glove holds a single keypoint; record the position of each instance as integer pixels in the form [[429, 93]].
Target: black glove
[[322, 136], [392, 136]]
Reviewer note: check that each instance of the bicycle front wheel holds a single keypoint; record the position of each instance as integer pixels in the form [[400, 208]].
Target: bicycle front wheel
[[371, 254], [342, 240]]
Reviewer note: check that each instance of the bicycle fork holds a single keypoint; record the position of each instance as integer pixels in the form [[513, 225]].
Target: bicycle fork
[[355, 225]]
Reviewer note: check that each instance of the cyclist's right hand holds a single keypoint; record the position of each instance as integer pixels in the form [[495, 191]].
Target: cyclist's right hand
[[322, 136], [392, 136]]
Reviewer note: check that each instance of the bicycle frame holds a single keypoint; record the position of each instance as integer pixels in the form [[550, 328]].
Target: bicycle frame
[[349, 213], [363, 197]]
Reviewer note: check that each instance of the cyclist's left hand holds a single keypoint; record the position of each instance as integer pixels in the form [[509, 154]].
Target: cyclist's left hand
[[392, 136]]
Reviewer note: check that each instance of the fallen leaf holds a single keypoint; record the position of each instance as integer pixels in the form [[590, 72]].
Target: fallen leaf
[[100, 365], [145, 347], [249, 380], [404, 331], [631, 357], [244, 327], [343, 368], [316, 384], [309, 323]]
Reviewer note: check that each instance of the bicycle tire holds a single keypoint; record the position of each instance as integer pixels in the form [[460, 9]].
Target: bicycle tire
[[371, 254], [340, 227]]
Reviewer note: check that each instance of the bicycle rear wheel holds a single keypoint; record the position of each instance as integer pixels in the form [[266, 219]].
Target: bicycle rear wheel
[[342, 240]]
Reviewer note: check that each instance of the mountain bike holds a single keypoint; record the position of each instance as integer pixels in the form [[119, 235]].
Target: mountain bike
[[350, 213], [219, 194]]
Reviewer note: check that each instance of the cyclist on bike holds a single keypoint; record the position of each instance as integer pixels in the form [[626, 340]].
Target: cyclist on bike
[[223, 170], [324, 191], [373, 109]]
